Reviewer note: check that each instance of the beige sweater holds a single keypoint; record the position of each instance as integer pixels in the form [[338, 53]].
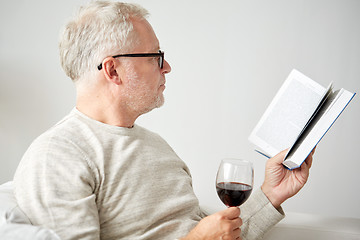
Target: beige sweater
[[88, 180]]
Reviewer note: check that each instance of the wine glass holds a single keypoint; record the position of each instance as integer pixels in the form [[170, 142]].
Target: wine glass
[[234, 181]]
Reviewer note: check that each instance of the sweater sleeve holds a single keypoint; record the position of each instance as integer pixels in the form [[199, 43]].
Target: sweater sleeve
[[259, 216], [55, 187]]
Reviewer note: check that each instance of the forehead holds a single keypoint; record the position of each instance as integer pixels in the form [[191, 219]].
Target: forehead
[[146, 35]]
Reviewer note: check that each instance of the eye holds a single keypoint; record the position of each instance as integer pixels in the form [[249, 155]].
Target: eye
[[154, 59]]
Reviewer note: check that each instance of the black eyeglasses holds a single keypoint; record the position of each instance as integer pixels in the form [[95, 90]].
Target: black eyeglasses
[[160, 54]]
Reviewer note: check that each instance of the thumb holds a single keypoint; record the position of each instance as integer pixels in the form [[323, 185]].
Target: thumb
[[279, 158], [230, 213]]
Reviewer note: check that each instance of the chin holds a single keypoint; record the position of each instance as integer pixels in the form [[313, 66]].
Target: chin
[[158, 102]]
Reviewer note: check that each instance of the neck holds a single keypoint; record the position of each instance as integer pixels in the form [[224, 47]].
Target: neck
[[105, 108]]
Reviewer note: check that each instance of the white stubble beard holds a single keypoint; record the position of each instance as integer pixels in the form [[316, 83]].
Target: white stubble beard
[[139, 105]]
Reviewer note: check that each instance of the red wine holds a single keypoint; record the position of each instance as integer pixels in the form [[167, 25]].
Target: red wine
[[233, 194]]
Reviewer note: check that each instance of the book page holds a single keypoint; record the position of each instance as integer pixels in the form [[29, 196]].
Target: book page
[[317, 128], [328, 103], [324, 99], [288, 113]]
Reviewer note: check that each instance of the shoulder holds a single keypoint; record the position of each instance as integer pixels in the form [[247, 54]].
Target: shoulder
[[59, 144], [73, 131], [56, 154], [61, 136]]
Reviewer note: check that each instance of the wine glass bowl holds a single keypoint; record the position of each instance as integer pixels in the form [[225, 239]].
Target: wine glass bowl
[[234, 181]]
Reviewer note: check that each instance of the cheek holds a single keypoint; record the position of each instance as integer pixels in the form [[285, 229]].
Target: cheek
[[139, 89], [144, 80]]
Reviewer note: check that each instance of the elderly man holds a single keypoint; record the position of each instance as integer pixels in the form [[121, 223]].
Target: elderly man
[[98, 175]]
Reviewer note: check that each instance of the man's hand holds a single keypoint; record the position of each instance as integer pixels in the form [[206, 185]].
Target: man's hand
[[281, 183], [223, 225]]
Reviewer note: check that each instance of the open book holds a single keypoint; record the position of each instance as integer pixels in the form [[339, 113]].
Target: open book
[[297, 118]]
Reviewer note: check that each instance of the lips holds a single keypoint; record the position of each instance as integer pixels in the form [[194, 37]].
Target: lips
[[163, 84], [162, 87]]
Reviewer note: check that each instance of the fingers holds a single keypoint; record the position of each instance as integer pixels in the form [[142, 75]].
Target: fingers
[[231, 213], [313, 151], [234, 226], [236, 234], [234, 222], [234, 231], [309, 159], [279, 158], [221, 225]]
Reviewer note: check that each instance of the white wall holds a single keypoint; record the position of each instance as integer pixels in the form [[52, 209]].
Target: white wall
[[228, 60]]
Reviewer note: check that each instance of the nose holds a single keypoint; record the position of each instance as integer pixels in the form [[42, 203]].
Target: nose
[[166, 68]]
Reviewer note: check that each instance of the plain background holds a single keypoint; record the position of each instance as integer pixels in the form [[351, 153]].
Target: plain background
[[228, 60]]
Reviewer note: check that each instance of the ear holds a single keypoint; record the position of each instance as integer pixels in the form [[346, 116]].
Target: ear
[[109, 68]]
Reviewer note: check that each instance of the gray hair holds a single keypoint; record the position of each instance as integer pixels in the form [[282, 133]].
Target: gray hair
[[98, 29]]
